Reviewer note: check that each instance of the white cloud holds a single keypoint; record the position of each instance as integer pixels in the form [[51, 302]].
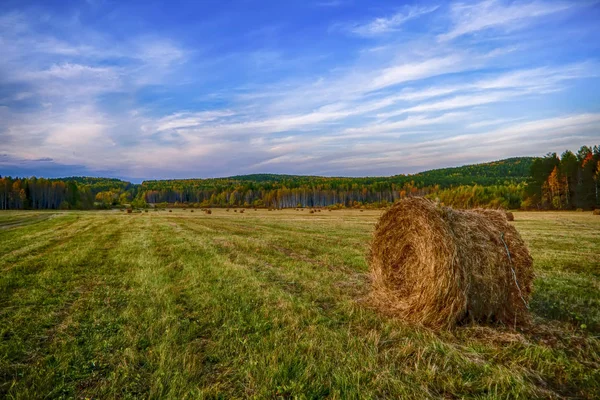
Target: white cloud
[[188, 120], [472, 18], [383, 25], [402, 104]]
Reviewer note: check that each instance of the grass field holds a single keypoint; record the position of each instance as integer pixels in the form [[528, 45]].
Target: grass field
[[269, 304]]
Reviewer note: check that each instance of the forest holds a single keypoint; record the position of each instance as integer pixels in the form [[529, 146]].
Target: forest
[[570, 181]]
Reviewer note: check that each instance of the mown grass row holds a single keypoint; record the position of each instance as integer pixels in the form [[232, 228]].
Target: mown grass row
[[177, 305]]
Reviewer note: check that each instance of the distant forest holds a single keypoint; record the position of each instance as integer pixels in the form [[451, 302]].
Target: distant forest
[[567, 182]]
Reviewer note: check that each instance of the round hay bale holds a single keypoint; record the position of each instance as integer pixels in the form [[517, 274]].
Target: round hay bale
[[440, 267], [241, 211], [596, 211], [510, 216], [208, 212], [129, 211]]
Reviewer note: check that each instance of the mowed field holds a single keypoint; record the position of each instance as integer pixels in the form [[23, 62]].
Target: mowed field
[[270, 304]]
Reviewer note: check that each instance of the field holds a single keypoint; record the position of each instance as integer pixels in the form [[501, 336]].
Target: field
[[270, 304]]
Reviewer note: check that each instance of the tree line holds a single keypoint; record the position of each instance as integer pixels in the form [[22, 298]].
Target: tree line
[[551, 182], [284, 191], [81, 193], [567, 182]]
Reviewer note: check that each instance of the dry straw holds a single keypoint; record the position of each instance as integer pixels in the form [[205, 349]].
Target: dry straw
[[596, 212], [440, 267], [510, 216]]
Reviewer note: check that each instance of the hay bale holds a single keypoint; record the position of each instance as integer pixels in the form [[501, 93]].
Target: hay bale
[[510, 216], [208, 212], [596, 211], [241, 211], [191, 210], [170, 210], [129, 211], [439, 267]]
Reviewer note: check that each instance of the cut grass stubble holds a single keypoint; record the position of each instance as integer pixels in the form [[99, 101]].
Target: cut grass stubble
[[169, 305]]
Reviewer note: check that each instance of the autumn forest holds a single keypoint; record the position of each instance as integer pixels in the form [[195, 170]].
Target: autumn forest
[[553, 182]]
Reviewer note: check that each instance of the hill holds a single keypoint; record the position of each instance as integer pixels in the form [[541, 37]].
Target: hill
[[514, 169], [259, 190]]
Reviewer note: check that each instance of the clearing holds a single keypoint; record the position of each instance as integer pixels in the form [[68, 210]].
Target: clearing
[[270, 304]]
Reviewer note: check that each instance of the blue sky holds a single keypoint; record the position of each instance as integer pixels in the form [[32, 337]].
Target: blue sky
[[172, 89]]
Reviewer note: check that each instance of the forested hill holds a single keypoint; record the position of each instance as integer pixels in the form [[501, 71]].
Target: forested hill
[[515, 169], [571, 181], [511, 169], [270, 190]]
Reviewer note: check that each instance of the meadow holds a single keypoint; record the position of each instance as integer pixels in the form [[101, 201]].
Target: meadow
[[269, 304]]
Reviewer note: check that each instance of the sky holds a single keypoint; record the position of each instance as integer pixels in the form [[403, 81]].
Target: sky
[[168, 89]]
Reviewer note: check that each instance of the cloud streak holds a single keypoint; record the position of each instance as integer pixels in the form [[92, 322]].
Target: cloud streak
[[384, 25], [393, 97]]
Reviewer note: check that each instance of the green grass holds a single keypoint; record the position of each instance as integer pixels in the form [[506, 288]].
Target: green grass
[[266, 305]]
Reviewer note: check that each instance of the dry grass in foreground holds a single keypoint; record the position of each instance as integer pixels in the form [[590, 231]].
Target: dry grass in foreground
[[268, 304]]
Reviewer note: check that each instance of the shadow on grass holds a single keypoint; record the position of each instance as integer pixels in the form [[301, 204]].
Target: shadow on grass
[[568, 298]]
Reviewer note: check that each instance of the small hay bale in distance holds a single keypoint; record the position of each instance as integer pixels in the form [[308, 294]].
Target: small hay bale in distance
[[596, 211], [191, 210], [129, 211], [170, 210], [440, 267], [241, 211], [208, 212], [510, 216]]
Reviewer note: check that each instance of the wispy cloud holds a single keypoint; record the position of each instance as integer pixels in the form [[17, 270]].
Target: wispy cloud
[[392, 23], [494, 14], [331, 3], [187, 100]]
